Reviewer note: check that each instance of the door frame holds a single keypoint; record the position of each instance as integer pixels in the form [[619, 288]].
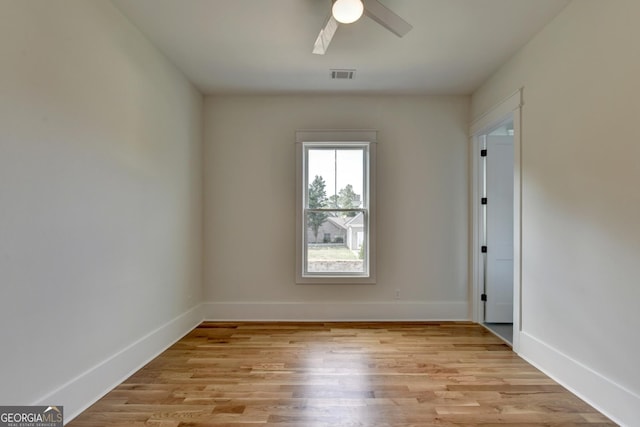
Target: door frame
[[508, 109]]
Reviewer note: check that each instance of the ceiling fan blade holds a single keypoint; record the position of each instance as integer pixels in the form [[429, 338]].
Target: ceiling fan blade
[[385, 17], [324, 38]]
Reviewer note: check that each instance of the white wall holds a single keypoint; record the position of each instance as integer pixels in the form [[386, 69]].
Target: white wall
[[100, 201], [581, 204], [250, 207]]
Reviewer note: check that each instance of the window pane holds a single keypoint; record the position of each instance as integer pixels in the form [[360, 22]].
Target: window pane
[[335, 178], [335, 242]]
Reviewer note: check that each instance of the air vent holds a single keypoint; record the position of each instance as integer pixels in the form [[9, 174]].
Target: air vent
[[343, 74]]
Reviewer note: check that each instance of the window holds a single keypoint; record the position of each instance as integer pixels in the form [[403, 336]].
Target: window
[[335, 214]]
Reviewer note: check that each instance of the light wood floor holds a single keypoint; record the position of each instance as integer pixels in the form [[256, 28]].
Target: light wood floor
[[339, 374]]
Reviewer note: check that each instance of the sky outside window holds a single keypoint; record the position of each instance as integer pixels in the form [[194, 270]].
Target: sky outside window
[[338, 168]]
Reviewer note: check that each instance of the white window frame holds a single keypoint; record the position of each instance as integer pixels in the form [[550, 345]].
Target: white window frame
[[338, 139]]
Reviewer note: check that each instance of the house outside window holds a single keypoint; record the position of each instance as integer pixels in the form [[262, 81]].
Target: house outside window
[[336, 206]]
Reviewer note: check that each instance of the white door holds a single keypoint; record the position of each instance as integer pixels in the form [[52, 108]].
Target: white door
[[499, 230]]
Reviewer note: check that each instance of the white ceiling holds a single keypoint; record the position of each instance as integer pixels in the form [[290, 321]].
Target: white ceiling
[[264, 46]]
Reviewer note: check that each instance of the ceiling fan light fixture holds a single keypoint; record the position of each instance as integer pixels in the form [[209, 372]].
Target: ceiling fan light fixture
[[347, 11]]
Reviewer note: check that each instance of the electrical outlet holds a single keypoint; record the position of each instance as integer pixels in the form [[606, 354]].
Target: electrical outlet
[[397, 293]]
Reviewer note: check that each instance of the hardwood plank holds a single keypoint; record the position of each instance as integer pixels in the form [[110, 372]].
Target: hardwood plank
[[339, 374]]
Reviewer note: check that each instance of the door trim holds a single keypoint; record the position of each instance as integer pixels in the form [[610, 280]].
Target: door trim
[[510, 108]]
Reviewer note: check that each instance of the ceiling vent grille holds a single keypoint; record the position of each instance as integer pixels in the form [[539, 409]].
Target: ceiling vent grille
[[343, 74]]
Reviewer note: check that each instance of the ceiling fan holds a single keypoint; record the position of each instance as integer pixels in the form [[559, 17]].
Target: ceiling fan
[[348, 11]]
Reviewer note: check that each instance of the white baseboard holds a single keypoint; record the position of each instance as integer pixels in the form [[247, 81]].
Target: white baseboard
[[613, 400], [84, 390], [336, 311]]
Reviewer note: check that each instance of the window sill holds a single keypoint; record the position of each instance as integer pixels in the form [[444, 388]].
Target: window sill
[[336, 280]]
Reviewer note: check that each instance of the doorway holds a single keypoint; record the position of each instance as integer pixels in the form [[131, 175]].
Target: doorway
[[497, 231], [495, 145]]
